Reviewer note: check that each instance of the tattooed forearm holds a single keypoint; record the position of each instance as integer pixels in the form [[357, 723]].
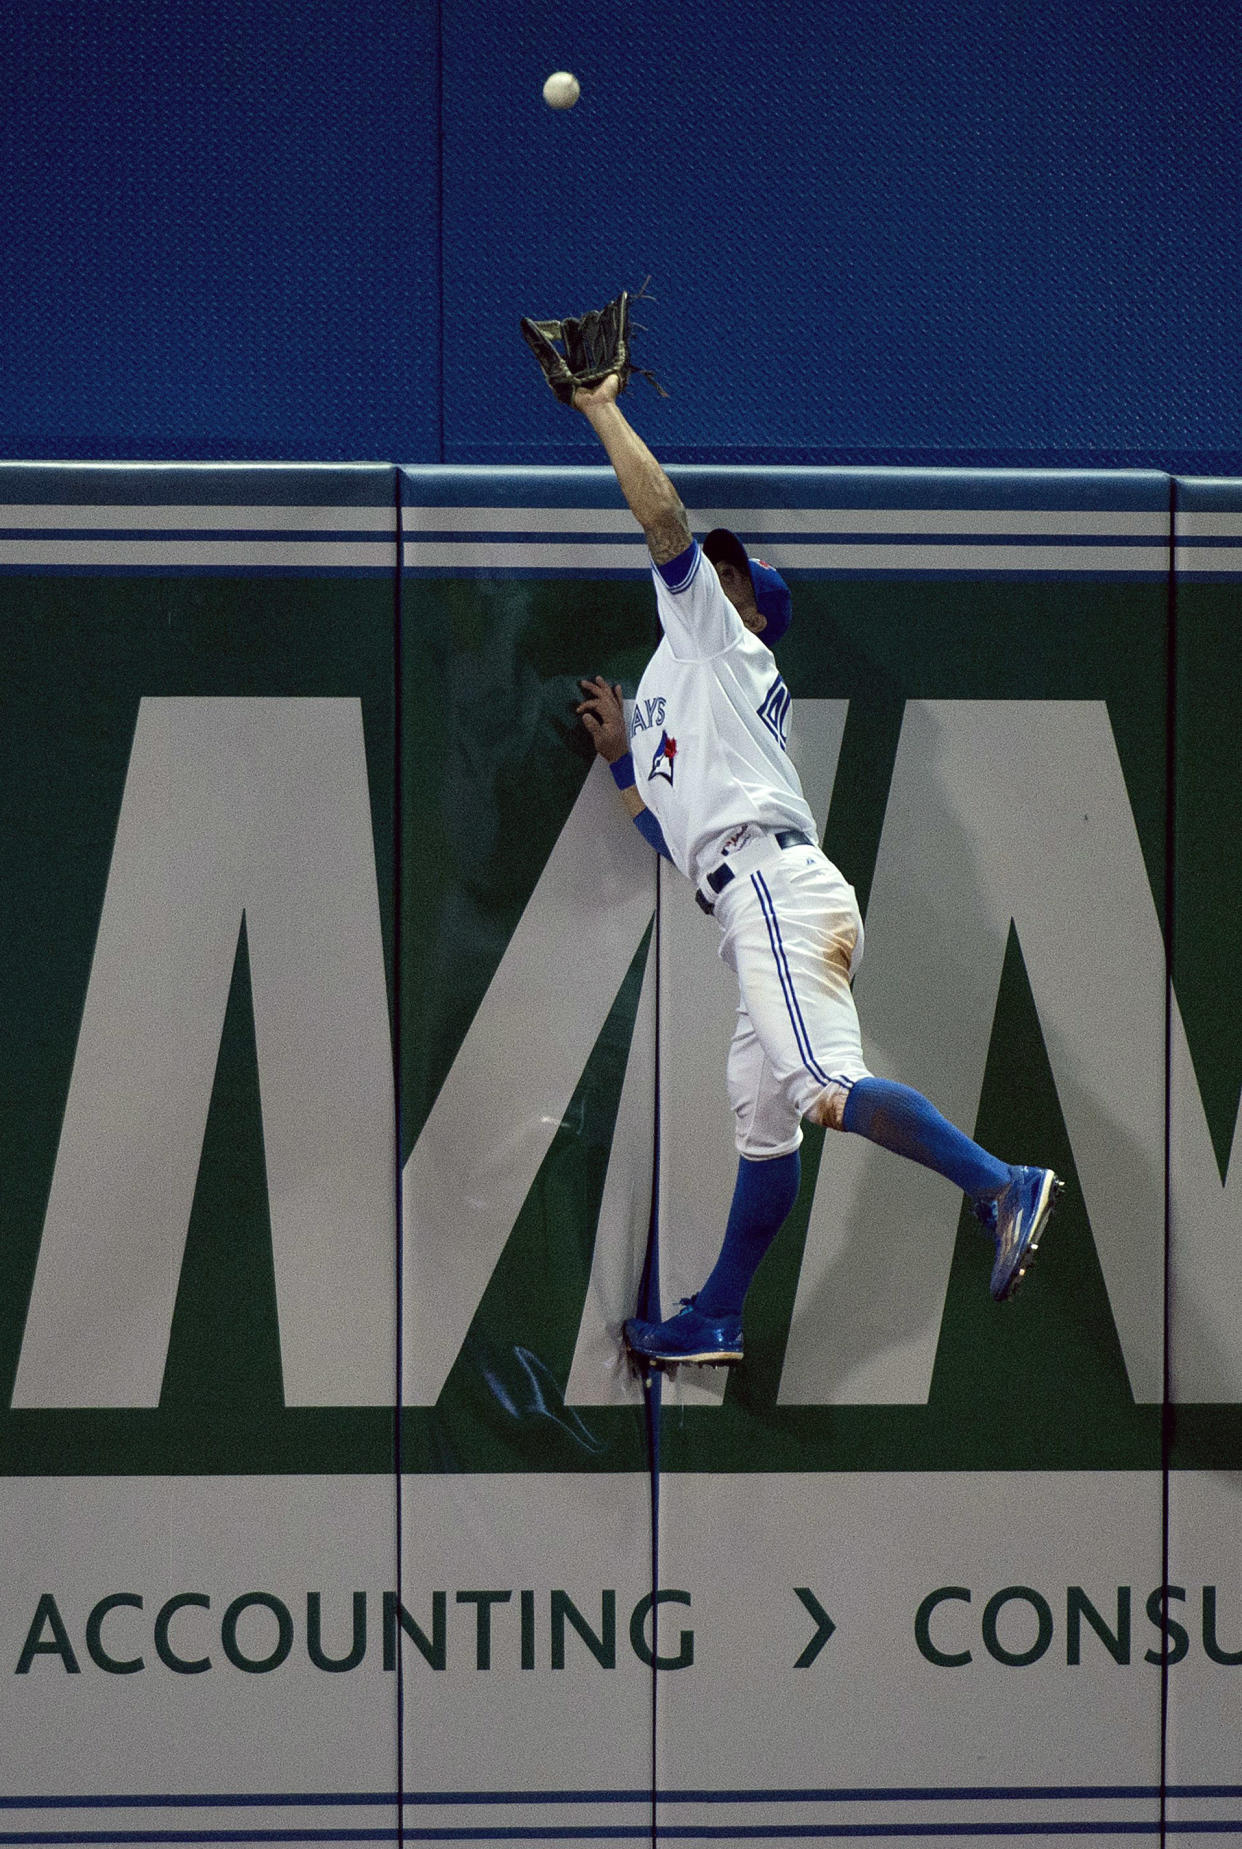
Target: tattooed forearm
[[653, 500], [670, 537]]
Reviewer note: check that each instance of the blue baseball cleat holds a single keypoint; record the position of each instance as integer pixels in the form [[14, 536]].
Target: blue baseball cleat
[[1022, 1211], [712, 1341]]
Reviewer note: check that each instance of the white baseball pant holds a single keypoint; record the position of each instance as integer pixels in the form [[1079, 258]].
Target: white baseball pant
[[792, 933]]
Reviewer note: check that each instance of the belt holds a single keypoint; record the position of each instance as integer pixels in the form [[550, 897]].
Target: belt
[[719, 878]]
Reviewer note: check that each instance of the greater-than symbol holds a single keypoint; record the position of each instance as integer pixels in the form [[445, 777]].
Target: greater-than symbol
[[826, 1627]]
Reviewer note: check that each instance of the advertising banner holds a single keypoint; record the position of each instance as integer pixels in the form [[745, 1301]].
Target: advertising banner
[[923, 1520], [199, 1332], [365, 1070], [1205, 1221]]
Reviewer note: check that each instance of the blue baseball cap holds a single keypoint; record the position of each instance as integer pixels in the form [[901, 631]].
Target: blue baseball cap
[[772, 596]]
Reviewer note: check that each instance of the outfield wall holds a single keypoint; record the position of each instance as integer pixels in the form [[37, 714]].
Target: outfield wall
[[353, 1037]]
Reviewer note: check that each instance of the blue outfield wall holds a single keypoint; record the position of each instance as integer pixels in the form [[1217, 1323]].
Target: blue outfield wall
[[973, 232], [356, 1045]]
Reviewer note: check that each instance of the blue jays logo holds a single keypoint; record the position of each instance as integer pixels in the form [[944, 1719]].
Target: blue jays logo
[[665, 754]]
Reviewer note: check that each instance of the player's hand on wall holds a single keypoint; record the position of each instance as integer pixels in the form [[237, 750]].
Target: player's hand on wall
[[603, 715]]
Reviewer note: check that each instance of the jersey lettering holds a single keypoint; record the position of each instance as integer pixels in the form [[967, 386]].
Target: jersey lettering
[[647, 713], [774, 712]]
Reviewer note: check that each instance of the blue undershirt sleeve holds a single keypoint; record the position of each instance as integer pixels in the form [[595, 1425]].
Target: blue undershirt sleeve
[[622, 769], [652, 833]]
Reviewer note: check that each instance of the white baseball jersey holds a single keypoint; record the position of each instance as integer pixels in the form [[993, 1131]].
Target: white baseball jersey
[[710, 724]]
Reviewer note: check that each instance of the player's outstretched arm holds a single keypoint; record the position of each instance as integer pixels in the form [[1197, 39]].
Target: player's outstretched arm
[[654, 502]]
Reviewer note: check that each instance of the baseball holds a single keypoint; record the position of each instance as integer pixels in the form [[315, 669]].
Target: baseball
[[562, 90]]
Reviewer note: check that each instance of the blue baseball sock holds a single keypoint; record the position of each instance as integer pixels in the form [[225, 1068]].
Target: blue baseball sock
[[762, 1197], [901, 1119]]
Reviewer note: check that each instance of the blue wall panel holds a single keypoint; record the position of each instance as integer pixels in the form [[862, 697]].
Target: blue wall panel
[[220, 229], [960, 232]]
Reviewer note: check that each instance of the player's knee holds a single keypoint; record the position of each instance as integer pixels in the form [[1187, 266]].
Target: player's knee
[[763, 1143], [829, 1108]]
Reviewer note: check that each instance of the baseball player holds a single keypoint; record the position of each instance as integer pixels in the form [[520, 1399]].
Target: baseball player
[[703, 771]]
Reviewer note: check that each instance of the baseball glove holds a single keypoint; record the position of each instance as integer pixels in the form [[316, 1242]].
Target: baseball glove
[[595, 345]]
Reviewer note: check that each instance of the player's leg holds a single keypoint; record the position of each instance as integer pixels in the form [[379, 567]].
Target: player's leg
[[792, 934], [790, 939], [1013, 1204], [901, 1119], [767, 1133], [763, 1195], [708, 1327]]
